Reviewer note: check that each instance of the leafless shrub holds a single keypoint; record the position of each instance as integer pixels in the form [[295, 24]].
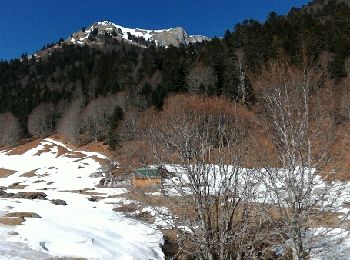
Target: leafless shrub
[[42, 120], [10, 129], [302, 190], [210, 195]]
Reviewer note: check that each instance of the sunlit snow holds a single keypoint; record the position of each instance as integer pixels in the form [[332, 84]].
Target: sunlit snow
[[82, 228]]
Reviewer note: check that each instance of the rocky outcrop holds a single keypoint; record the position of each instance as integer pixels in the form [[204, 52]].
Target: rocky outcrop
[[31, 195], [115, 180], [96, 32], [176, 36], [59, 202]]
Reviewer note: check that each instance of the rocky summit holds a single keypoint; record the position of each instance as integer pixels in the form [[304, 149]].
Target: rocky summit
[[165, 37]]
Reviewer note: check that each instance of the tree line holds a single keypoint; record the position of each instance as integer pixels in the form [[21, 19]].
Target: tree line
[[146, 76]]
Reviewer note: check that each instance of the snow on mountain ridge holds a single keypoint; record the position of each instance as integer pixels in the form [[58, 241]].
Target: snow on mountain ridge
[[164, 37]]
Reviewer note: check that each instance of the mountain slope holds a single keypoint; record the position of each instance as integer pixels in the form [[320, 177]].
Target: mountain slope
[[40, 96]]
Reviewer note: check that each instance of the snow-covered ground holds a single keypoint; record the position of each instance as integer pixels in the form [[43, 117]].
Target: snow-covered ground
[[87, 226], [324, 243], [82, 228]]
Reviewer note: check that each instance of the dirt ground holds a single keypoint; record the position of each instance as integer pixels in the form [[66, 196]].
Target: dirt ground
[[4, 173]]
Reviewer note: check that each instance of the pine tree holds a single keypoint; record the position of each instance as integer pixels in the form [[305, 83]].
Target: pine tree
[[113, 139]]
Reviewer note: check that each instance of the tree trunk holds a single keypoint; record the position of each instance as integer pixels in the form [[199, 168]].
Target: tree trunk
[[298, 250]]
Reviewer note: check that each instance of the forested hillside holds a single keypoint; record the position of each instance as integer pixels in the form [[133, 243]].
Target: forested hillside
[[84, 92]]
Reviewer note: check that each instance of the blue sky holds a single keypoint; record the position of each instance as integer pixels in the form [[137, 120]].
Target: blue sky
[[27, 25]]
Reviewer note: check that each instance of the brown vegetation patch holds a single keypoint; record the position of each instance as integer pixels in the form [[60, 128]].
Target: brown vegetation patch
[[134, 154], [341, 153], [11, 221], [74, 155], [29, 174], [22, 215], [61, 151], [97, 147], [38, 181], [19, 150], [140, 196], [31, 195], [45, 149], [85, 191], [17, 218], [100, 160], [4, 173], [17, 186], [328, 220], [127, 208], [170, 246]]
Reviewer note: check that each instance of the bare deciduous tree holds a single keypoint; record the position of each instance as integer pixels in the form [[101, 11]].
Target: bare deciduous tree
[[211, 194], [95, 117], [42, 120], [10, 130], [303, 192], [345, 103], [70, 123], [200, 79]]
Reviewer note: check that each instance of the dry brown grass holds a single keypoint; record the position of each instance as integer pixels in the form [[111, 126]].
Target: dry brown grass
[[138, 195], [19, 150], [134, 154], [77, 155], [11, 221], [45, 149], [99, 160], [29, 174], [340, 151], [17, 186], [128, 208], [16, 218], [61, 151], [4, 173], [97, 147], [22, 215], [86, 191]]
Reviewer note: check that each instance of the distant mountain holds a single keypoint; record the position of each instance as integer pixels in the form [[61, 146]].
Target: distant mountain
[[102, 34], [165, 37]]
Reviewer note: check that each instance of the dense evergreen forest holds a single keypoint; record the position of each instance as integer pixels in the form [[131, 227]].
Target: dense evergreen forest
[[38, 95]]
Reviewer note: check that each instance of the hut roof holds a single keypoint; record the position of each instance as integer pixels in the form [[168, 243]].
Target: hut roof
[[148, 173]]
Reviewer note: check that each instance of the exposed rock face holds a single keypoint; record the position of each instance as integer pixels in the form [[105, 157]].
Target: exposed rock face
[[59, 202], [166, 37], [176, 36], [31, 195], [115, 180]]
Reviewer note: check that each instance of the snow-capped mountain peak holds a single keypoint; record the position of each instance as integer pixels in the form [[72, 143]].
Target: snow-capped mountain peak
[[164, 37]]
